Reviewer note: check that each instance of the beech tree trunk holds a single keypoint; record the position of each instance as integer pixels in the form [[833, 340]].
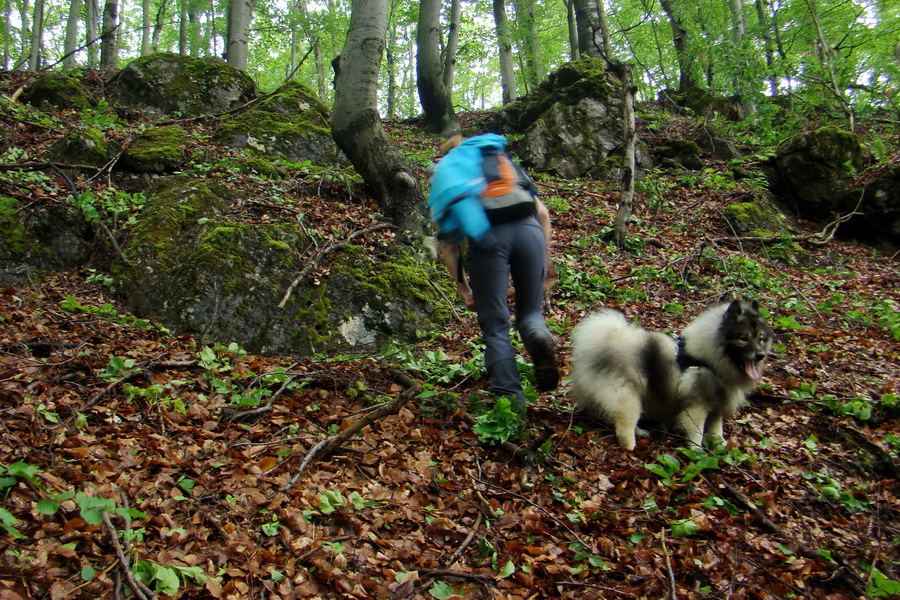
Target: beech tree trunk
[[590, 25], [356, 124], [109, 41], [71, 42], [240, 13], [507, 67], [686, 80], [449, 54], [91, 20], [434, 95], [37, 33]]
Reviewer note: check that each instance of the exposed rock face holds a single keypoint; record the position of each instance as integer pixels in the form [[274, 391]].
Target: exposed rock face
[[222, 280], [56, 90], [36, 241], [292, 125], [168, 84], [572, 123]]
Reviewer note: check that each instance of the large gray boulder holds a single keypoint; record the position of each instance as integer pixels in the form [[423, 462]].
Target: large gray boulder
[[572, 124], [200, 271], [812, 172], [172, 84]]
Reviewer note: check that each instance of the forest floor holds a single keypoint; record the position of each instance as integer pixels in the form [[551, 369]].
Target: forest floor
[[120, 443]]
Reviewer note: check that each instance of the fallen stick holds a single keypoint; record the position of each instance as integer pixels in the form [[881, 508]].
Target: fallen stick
[[327, 446]]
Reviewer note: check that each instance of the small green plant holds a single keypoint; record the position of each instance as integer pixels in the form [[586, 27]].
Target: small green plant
[[498, 424], [830, 490], [117, 368], [167, 579], [441, 590]]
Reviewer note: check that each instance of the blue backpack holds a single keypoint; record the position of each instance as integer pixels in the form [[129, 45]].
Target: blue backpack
[[456, 187]]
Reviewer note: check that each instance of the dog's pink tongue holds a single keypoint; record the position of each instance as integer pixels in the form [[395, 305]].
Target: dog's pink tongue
[[750, 368]]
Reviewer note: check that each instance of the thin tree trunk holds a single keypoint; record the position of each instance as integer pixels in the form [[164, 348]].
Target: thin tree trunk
[[391, 72], [434, 95], [507, 68], [91, 21], [356, 124], [449, 57], [71, 43], [109, 44], [682, 44], [37, 36], [157, 26], [572, 28], [826, 56], [531, 48], [626, 196]]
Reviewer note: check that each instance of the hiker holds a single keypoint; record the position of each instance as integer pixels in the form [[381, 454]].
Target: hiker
[[512, 241]]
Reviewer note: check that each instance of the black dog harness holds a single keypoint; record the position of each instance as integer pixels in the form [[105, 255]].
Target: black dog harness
[[685, 360]]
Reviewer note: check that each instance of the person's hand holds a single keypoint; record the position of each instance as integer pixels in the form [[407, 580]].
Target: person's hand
[[552, 275], [466, 292]]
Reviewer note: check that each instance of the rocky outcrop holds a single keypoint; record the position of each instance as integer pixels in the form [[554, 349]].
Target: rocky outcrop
[[812, 172], [172, 84], [200, 272], [572, 124]]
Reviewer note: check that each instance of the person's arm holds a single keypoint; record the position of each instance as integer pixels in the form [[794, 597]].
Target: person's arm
[[543, 217], [450, 254]]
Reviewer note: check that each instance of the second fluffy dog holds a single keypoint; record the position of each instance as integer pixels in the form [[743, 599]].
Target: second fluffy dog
[[622, 372]]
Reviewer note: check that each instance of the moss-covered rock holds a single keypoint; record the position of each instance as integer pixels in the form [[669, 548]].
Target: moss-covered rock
[[572, 123], [762, 220], [200, 272], [56, 90], [83, 146], [37, 239], [156, 150], [291, 124], [170, 84]]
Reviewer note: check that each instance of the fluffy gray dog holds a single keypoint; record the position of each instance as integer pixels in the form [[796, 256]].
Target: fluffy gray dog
[[621, 372]]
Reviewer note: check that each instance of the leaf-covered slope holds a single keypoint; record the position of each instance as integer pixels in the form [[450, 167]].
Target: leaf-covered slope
[[197, 464]]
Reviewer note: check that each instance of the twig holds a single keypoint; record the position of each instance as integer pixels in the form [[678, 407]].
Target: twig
[[139, 589], [462, 548], [327, 446], [249, 415], [315, 262], [669, 569]]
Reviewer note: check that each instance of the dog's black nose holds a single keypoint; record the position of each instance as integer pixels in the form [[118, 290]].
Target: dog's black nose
[[759, 356]]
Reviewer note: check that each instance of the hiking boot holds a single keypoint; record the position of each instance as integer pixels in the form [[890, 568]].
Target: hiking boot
[[542, 351]]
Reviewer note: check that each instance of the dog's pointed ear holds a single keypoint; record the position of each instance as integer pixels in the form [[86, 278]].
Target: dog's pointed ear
[[735, 310]]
